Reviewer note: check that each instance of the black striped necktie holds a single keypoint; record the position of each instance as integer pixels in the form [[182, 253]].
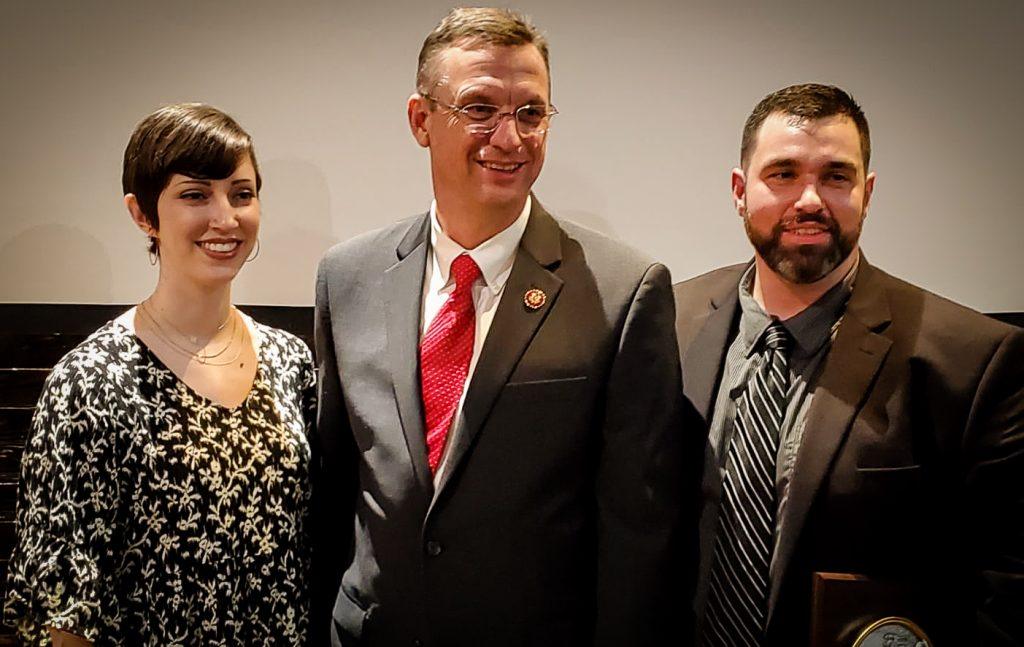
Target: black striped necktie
[[737, 603]]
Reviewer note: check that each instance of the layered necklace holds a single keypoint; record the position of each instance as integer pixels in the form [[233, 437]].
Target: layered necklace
[[199, 351]]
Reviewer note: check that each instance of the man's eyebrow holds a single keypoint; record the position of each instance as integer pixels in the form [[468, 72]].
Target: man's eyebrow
[[476, 94], [841, 165], [786, 162], [486, 94]]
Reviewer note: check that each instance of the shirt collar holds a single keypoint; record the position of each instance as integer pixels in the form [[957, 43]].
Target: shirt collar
[[810, 328], [494, 256]]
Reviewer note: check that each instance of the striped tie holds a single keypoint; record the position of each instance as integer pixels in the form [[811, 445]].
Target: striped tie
[[737, 603]]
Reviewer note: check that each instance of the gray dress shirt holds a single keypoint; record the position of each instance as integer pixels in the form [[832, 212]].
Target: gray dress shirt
[[812, 331]]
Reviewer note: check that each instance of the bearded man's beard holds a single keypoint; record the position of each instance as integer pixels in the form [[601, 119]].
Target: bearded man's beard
[[803, 263]]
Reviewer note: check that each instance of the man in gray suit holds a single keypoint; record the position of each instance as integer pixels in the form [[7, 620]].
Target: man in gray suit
[[859, 425], [500, 430]]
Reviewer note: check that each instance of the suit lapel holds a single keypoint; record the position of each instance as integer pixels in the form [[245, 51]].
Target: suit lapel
[[403, 280], [846, 377], [512, 328], [705, 356]]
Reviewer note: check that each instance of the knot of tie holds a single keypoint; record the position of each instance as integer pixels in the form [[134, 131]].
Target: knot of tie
[[776, 337], [466, 272]]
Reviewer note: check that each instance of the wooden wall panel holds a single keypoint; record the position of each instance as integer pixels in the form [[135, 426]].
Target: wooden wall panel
[[33, 337]]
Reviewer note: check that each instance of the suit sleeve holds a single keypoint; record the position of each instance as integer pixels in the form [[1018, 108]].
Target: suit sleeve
[[995, 493], [334, 476], [647, 481]]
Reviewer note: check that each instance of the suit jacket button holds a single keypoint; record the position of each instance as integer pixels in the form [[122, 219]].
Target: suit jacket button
[[433, 548]]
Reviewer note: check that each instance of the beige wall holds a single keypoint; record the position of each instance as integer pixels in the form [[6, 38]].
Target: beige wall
[[653, 96]]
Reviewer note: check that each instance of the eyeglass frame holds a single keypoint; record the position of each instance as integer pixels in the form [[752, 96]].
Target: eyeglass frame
[[550, 111]]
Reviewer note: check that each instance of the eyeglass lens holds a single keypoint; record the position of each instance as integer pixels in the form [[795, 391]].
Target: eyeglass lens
[[484, 118]]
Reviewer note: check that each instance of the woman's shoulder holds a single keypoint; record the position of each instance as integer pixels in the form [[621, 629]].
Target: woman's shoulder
[[101, 363], [281, 344], [92, 383], [110, 346]]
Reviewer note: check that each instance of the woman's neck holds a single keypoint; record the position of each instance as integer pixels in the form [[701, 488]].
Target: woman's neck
[[194, 311]]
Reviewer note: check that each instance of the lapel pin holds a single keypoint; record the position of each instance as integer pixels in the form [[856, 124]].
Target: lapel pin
[[535, 299]]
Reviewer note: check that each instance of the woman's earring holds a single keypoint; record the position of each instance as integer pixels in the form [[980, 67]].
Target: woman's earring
[[154, 251]]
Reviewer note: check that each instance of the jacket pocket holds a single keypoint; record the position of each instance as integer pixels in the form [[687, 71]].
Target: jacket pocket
[[889, 470], [890, 490], [544, 390]]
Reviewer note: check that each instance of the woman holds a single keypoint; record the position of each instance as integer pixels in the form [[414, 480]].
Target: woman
[[165, 482]]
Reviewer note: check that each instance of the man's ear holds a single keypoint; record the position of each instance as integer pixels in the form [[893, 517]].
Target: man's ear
[[869, 188], [139, 218], [418, 109], [739, 191]]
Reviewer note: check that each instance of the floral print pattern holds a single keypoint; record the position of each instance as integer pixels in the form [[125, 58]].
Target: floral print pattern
[[149, 515]]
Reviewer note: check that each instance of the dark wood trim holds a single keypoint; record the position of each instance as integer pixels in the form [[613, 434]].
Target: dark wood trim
[[79, 320], [1015, 318], [84, 318], [33, 337], [36, 335]]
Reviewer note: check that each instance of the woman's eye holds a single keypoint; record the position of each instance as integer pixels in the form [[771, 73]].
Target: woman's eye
[[192, 195]]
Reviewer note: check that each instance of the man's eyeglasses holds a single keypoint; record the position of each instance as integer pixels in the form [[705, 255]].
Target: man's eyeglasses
[[532, 120]]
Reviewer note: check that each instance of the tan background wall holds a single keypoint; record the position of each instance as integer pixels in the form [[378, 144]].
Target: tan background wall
[[653, 96]]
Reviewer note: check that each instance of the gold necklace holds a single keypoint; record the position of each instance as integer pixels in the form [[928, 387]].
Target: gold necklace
[[202, 358], [193, 339]]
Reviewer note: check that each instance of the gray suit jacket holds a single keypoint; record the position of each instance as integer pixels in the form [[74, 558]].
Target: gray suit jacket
[[910, 470], [560, 518]]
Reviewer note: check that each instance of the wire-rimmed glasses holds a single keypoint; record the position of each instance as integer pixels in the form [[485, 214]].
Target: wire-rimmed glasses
[[531, 120]]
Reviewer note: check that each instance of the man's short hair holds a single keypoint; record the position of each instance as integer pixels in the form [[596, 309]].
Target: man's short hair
[[807, 101], [475, 26], [192, 139]]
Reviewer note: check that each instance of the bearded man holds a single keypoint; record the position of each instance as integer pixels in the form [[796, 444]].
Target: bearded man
[[859, 425]]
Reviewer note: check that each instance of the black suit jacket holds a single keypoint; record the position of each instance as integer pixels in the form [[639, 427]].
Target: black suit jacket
[[911, 468], [559, 521]]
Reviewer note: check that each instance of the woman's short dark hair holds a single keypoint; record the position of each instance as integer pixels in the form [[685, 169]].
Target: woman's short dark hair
[[192, 139]]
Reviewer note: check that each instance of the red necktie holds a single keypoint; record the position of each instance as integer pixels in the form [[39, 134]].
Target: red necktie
[[445, 353]]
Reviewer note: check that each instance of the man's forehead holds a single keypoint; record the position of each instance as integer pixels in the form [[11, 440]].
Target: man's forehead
[[782, 134], [490, 64], [808, 125]]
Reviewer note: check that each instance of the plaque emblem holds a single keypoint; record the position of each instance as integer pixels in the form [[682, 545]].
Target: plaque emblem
[[892, 632], [535, 299]]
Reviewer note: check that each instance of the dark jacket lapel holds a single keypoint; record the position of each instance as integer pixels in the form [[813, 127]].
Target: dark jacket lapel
[[512, 328], [403, 289], [857, 354], [702, 364]]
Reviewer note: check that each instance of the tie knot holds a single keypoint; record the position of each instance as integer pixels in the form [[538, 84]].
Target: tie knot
[[776, 337], [465, 271]]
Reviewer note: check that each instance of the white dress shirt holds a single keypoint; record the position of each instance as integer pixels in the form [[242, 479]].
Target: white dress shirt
[[494, 257]]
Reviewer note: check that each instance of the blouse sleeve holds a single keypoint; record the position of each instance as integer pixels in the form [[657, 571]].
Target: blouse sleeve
[[67, 511], [308, 373]]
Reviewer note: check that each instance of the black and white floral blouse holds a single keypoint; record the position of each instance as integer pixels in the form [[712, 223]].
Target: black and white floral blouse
[[149, 515]]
